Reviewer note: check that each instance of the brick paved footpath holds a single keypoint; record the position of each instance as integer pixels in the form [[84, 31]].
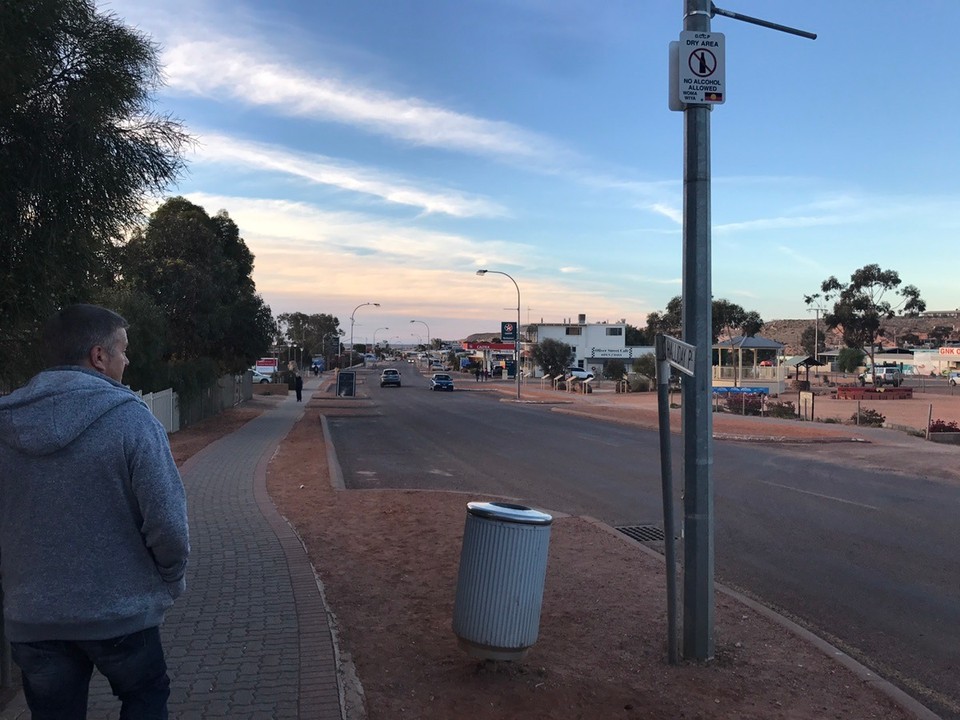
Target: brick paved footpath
[[250, 637]]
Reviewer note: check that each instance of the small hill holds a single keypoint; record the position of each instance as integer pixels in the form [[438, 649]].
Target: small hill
[[788, 332]]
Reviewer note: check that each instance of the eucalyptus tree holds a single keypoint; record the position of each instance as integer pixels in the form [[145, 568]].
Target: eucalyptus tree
[[198, 270], [80, 147], [871, 296]]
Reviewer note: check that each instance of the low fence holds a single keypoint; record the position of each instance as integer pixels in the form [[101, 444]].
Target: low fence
[[165, 407]]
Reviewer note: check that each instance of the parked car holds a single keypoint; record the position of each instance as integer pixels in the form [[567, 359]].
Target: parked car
[[954, 378], [884, 376], [390, 376], [259, 377], [578, 373], [441, 381]]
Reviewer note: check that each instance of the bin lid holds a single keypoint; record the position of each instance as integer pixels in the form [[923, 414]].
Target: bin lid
[[508, 512]]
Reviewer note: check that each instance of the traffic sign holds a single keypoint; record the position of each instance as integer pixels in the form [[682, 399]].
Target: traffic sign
[[702, 68], [680, 355]]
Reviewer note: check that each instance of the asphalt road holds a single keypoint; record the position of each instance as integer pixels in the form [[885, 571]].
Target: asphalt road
[[864, 558]]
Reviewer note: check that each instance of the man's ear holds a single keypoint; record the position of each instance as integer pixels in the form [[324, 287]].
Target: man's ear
[[98, 358]]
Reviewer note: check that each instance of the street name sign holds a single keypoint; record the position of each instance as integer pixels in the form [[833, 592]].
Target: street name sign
[[702, 66], [680, 355]]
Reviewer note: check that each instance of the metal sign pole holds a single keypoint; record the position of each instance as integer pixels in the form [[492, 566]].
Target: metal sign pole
[[701, 76], [666, 482], [697, 419]]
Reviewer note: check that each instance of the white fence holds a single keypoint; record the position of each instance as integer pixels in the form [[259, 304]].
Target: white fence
[[165, 407]]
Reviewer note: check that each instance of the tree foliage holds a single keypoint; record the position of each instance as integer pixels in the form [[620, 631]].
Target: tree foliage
[[860, 305], [317, 334], [197, 270], [79, 147], [635, 337], [646, 365], [614, 369], [849, 359], [726, 318], [552, 355]]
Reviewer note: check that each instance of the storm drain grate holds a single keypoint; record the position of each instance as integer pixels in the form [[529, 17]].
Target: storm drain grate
[[643, 533]]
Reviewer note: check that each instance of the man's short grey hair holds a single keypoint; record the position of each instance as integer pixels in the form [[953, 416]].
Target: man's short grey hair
[[72, 333]]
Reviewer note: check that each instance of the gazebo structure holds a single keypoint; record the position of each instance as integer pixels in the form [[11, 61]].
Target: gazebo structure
[[806, 362], [749, 362]]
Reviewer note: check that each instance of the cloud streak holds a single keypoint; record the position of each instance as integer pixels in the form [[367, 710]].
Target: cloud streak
[[222, 69], [220, 149]]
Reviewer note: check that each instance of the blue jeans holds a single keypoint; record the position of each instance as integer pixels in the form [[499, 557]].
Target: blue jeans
[[56, 675]]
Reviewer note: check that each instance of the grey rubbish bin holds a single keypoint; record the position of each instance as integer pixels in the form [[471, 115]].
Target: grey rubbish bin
[[503, 565]]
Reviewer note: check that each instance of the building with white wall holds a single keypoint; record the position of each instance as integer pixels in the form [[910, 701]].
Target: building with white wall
[[593, 344]]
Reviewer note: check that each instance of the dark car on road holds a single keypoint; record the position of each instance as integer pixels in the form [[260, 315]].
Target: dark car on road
[[390, 376], [441, 381]]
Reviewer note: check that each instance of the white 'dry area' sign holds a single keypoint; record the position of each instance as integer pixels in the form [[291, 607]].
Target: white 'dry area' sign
[[702, 68]]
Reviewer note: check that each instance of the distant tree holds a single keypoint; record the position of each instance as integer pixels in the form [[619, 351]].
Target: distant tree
[[669, 322], [940, 333], [860, 305], [637, 337], [310, 332], [910, 338], [811, 341], [726, 318], [80, 147], [198, 271], [849, 359], [614, 369], [646, 365], [552, 355]]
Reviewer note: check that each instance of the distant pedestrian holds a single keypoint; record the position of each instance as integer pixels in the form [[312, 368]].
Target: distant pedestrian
[[93, 525], [477, 373], [298, 386]]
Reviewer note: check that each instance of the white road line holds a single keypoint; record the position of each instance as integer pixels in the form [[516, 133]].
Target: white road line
[[826, 497]]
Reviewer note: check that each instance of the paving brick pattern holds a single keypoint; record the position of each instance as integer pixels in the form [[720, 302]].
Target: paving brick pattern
[[250, 638]]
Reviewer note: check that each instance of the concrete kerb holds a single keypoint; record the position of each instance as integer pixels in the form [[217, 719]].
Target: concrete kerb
[[898, 696]]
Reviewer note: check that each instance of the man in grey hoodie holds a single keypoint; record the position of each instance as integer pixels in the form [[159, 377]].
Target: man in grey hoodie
[[93, 525]]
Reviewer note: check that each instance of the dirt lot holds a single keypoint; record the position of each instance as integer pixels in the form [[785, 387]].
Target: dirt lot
[[389, 561]]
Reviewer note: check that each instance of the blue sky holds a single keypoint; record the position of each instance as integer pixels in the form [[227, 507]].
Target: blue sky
[[384, 151]]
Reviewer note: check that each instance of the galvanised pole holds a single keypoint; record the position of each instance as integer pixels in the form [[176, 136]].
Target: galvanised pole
[[697, 419]]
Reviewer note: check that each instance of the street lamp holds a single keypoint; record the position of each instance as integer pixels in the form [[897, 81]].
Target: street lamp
[[428, 332], [516, 365], [351, 325]]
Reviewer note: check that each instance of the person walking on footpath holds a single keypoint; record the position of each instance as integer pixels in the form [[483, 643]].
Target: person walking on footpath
[[94, 537], [298, 386]]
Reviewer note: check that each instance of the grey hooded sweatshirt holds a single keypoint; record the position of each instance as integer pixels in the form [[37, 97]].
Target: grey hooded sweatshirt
[[93, 518]]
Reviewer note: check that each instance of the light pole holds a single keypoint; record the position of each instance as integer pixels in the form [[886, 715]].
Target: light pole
[[419, 338], [428, 332], [516, 362], [351, 325]]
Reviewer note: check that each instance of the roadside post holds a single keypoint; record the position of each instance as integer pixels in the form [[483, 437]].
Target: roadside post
[[697, 83], [670, 352]]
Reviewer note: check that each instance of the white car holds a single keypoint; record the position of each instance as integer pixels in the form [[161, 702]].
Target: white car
[[578, 373], [259, 377], [954, 379]]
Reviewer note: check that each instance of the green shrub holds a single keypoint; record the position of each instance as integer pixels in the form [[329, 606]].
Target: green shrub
[[784, 409], [868, 418], [744, 404], [944, 426]]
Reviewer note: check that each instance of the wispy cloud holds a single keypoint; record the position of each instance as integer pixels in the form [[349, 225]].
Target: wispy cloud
[[220, 149], [224, 68], [667, 211]]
